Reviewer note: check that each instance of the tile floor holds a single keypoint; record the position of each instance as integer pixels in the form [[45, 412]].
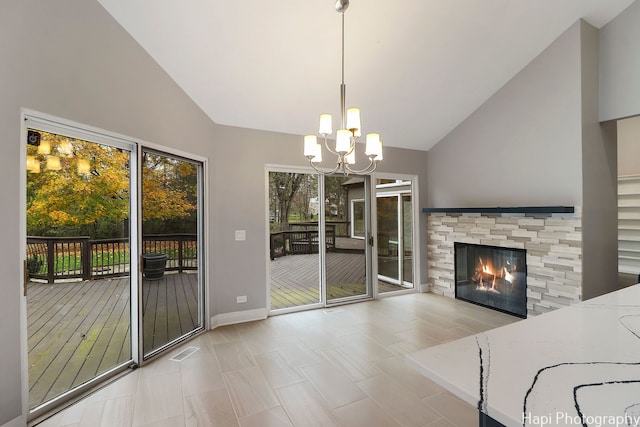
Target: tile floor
[[336, 367]]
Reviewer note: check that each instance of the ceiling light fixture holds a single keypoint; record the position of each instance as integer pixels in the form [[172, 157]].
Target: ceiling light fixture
[[348, 134]]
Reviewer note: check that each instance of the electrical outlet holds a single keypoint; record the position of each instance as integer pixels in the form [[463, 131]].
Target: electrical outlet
[[241, 299]]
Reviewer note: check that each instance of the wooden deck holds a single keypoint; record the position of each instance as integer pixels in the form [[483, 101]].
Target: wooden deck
[[295, 280], [170, 308], [77, 330]]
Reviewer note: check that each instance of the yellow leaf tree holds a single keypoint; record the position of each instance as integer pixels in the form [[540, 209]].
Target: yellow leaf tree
[[76, 187]]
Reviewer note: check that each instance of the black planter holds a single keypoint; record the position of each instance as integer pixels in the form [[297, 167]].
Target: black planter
[[153, 266]]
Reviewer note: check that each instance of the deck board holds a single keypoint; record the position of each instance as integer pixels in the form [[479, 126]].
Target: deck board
[[170, 310], [63, 338], [77, 330], [295, 279]]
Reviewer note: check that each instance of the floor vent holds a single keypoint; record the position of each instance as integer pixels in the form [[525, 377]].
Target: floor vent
[[184, 354], [333, 310]]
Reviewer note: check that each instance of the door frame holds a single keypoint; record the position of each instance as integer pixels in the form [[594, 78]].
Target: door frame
[[415, 231], [286, 169], [202, 251], [95, 134], [372, 225], [398, 197], [370, 268]]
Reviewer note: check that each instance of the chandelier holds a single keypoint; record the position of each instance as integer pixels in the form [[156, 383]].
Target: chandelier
[[348, 134]]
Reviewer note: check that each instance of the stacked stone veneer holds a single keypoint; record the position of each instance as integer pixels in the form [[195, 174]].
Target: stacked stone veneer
[[553, 243]]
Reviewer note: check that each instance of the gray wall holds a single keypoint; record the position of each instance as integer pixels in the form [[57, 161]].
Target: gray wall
[[521, 147], [620, 65], [538, 141], [240, 267], [69, 58], [599, 180], [629, 146]]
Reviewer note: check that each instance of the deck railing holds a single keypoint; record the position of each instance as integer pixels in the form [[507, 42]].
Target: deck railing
[[57, 258], [300, 241]]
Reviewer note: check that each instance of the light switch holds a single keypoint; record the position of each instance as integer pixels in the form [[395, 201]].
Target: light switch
[[241, 234]]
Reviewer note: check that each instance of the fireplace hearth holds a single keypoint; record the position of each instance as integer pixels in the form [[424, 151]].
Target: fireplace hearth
[[491, 276]]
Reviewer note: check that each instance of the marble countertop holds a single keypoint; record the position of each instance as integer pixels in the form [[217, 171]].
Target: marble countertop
[[578, 365]]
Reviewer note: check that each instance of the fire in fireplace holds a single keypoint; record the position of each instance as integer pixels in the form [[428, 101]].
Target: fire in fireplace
[[492, 276]]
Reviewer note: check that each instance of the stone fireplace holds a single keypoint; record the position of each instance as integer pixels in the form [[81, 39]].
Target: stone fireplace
[[491, 276], [553, 244]]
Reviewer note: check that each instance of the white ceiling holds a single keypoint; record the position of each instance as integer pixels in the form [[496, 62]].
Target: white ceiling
[[416, 68]]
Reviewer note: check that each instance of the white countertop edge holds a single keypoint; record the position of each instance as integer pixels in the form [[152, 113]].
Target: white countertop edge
[[429, 361], [412, 362]]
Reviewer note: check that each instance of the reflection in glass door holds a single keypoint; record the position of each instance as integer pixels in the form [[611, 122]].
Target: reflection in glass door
[[407, 240], [172, 291], [394, 235], [388, 239], [348, 253], [78, 261]]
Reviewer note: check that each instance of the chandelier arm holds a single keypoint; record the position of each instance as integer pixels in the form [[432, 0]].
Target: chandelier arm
[[326, 144], [325, 171], [369, 169]]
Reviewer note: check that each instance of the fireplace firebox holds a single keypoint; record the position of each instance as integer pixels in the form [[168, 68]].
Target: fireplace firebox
[[491, 276]]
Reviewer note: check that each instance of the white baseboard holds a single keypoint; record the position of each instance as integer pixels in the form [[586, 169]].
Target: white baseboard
[[16, 422], [628, 269], [238, 317]]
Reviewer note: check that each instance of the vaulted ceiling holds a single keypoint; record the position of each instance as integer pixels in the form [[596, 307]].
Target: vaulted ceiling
[[416, 68]]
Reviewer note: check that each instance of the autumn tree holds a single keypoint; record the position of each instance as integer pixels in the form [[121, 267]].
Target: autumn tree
[[88, 192], [169, 195], [61, 200]]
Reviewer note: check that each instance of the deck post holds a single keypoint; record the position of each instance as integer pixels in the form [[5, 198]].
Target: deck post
[[180, 255], [85, 255], [51, 267]]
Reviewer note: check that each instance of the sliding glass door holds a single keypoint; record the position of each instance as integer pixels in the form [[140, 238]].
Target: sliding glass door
[[294, 240], [172, 291], [394, 235], [321, 244], [347, 257], [407, 239], [112, 256], [319, 252], [388, 238], [78, 260]]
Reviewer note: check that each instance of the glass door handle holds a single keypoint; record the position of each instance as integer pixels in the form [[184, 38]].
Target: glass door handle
[[25, 275]]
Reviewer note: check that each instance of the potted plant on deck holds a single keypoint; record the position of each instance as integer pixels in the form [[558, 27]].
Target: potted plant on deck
[[154, 265]]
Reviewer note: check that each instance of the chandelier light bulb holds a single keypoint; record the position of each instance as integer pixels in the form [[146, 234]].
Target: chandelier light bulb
[[343, 141], [53, 163], [84, 166], [317, 155], [371, 146], [378, 152], [325, 125], [350, 158], [353, 119], [65, 148], [33, 165], [310, 142], [44, 147]]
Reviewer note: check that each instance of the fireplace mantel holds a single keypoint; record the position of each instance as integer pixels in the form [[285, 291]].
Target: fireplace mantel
[[501, 210], [553, 242]]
